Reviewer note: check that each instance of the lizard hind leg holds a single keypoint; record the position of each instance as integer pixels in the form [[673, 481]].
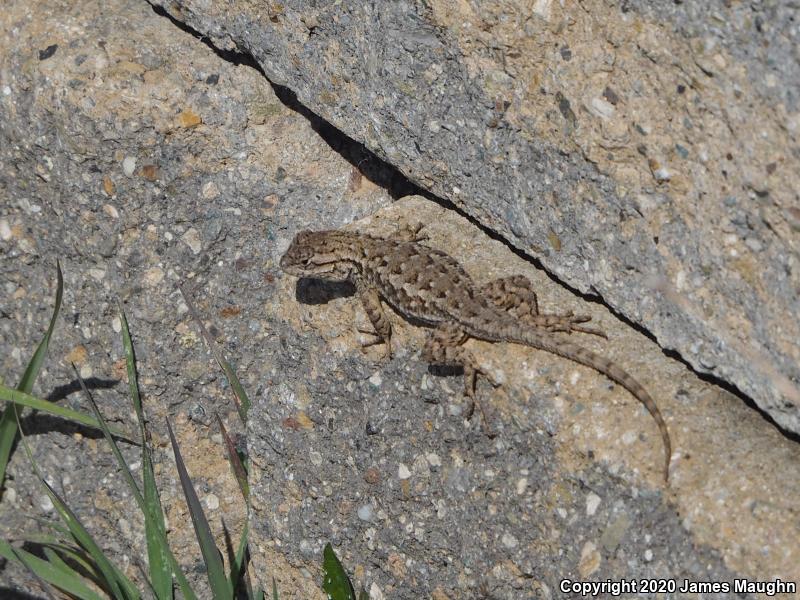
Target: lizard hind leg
[[515, 295], [444, 346]]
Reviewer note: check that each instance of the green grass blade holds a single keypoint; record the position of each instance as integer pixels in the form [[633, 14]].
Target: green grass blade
[[274, 590], [72, 584], [156, 535], [8, 420], [126, 472], [48, 589], [336, 582], [220, 586], [162, 562], [118, 584], [239, 396], [22, 399]]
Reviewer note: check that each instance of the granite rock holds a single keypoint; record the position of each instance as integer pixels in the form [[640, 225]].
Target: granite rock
[[644, 152]]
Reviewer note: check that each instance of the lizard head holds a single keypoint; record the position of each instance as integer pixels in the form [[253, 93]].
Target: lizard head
[[313, 254]]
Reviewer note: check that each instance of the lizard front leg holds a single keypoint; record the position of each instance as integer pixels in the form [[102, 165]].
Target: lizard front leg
[[515, 295], [371, 301]]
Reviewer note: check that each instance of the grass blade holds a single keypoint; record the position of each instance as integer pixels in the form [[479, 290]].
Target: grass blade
[[236, 463], [8, 420], [239, 396], [220, 586], [274, 590], [118, 584], [336, 582], [71, 584], [23, 399], [126, 472], [162, 562]]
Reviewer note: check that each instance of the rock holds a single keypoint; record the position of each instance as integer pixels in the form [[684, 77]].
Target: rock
[[498, 134], [471, 510]]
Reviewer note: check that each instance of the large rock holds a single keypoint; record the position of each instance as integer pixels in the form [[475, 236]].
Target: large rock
[[141, 158], [644, 152]]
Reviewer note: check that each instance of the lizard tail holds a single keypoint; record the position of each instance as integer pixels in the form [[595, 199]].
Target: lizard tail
[[599, 363]]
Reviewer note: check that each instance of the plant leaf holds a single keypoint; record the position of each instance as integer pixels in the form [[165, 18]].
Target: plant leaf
[[72, 584], [239, 396], [22, 399], [161, 561], [220, 586], [8, 420], [336, 582]]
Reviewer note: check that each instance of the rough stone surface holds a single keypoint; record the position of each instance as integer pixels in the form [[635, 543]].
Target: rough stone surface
[[561, 481], [646, 152], [140, 157]]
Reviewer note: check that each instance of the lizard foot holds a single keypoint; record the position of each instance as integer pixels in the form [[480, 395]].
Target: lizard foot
[[411, 233], [567, 323], [377, 340]]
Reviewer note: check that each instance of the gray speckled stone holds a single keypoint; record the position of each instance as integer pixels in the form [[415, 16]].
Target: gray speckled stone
[[648, 156]]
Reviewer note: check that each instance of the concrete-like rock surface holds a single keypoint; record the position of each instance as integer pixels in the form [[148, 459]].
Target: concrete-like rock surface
[[562, 480], [141, 158], [646, 152]]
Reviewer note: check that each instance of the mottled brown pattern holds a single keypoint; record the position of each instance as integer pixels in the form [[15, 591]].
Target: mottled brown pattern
[[428, 286]]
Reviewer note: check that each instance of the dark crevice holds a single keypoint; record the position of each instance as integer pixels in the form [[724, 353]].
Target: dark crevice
[[398, 185], [375, 169]]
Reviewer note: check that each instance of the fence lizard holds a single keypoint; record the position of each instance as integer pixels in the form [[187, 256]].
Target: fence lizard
[[428, 286]]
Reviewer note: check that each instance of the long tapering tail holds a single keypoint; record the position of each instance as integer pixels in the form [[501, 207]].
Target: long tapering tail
[[603, 365]]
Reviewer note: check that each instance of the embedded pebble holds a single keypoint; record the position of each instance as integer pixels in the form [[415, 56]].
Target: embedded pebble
[[5, 230], [153, 276], [403, 472], [128, 165], [601, 108], [366, 512], [592, 502], [509, 541], [192, 239], [45, 503], [212, 502], [433, 459], [376, 379]]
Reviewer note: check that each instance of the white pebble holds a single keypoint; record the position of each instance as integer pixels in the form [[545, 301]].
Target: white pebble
[[403, 472], [509, 541], [522, 485], [192, 239], [433, 459], [45, 503], [366, 512], [5, 230], [212, 502], [116, 324], [129, 165], [592, 502], [376, 379], [648, 555]]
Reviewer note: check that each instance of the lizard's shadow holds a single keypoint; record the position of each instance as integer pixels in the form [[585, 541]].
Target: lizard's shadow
[[318, 291]]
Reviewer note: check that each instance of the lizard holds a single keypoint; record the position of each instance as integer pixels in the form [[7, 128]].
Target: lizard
[[427, 286]]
